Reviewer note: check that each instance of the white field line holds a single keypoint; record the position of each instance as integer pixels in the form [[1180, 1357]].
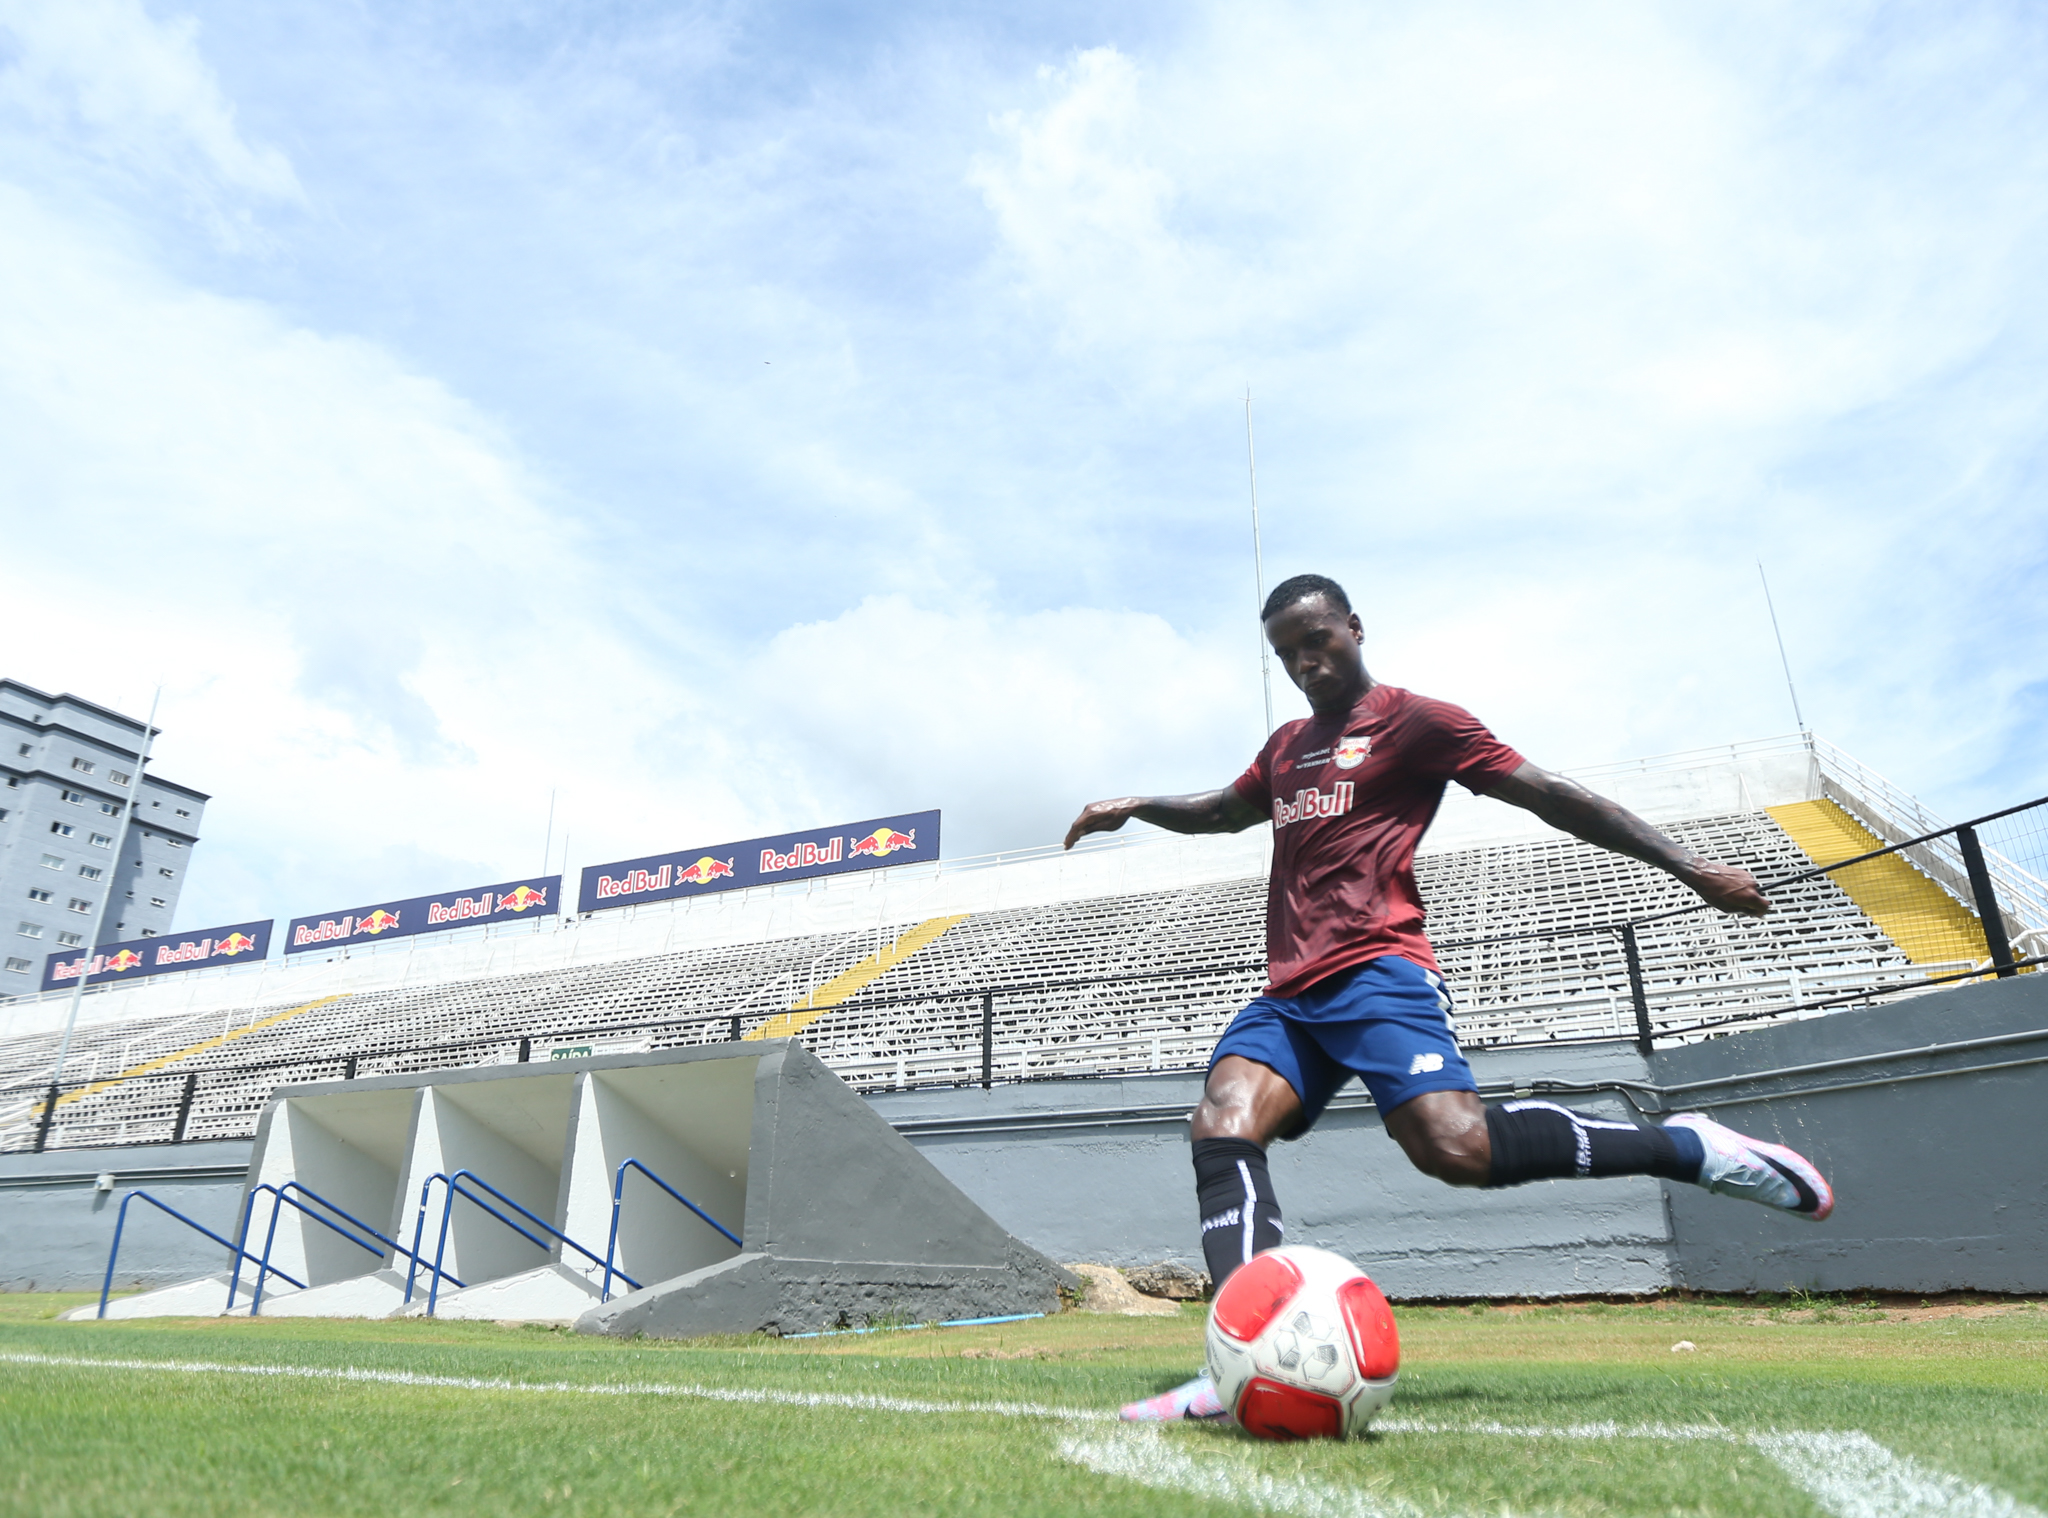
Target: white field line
[[1849, 1473], [1140, 1453], [1853, 1476], [857, 1401]]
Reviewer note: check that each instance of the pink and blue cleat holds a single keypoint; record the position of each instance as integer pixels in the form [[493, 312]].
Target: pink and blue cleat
[[1740, 1166], [1194, 1399]]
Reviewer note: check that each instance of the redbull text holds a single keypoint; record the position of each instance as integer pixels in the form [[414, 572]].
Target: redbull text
[[424, 914], [759, 861], [1312, 804]]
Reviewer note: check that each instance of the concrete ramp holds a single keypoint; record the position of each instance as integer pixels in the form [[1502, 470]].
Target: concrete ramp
[[758, 1193], [846, 1225]]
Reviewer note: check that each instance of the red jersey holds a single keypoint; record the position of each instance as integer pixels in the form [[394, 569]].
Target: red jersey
[[1350, 797]]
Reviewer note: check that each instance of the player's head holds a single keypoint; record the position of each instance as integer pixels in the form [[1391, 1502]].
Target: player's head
[[1316, 636]]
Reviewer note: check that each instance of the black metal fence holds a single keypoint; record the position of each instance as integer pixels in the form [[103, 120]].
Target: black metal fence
[[1962, 903]]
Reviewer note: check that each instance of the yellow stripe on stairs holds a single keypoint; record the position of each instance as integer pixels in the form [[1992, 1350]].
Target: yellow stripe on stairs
[[814, 1004], [150, 1066], [1929, 925]]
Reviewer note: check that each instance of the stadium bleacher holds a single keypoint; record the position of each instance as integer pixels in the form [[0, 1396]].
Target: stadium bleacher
[[1059, 964]]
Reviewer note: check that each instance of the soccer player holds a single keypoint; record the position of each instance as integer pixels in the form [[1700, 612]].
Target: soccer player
[[1353, 987]]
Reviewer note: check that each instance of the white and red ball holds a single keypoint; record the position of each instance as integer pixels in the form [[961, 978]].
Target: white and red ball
[[1302, 1345]]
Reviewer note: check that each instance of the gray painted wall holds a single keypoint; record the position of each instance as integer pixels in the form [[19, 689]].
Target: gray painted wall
[[1942, 1183], [55, 1229]]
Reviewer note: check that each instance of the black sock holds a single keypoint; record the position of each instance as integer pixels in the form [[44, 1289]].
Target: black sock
[[1534, 1141], [1239, 1215]]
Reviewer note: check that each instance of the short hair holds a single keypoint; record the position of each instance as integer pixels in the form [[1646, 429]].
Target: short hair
[[1300, 588]]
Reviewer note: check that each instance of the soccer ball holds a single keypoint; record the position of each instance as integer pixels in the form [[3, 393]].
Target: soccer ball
[[1302, 1346]]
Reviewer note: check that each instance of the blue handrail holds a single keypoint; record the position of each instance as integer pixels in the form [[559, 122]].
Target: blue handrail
[[448, 1211], [277, 1208], [121, 1222], [618, 1192]]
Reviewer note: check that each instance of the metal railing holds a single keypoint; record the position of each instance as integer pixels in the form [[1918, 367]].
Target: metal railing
[[1974, 891], [611, 1248]]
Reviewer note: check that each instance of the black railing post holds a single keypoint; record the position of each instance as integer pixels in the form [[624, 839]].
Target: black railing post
[[525, 1049], [1636, 990], [1996, 945], [735, 1028], [185, 1106], [348, 1071], [49, 1112], [988, 1040]]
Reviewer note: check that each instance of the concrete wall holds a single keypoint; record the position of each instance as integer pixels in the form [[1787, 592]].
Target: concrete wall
[[1941, 1183], [55, 1229], [1124, 1195]]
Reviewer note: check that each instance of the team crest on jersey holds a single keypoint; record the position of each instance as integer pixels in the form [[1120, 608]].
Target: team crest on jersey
[[1350, 752]]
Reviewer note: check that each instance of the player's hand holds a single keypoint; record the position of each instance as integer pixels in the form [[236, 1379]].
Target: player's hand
[[1728, 887], [1102, 817]]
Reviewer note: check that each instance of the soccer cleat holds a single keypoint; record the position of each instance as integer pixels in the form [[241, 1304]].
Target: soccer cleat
[[1738, 1165], [1194, 1399]]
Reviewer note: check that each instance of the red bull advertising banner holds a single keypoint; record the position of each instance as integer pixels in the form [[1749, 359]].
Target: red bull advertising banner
[[239, 943], [540, 896], [875, 844]]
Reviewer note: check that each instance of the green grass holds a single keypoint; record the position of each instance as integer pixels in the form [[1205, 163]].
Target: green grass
[[1964, 1395]]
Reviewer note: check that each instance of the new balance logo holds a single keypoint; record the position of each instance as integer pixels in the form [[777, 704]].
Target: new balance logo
[[1425, 1064], [1313, 803]]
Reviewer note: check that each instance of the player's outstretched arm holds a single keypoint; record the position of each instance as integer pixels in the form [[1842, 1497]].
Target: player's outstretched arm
[[1221, 811], [1573, 809]]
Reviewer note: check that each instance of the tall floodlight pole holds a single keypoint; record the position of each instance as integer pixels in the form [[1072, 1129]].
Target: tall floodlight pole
[[1787, 663], [99, 916], [1251, 460], [547, 849]]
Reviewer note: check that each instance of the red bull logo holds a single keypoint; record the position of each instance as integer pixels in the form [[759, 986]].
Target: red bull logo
[[461, 909], [635, 882], [519, 898], [802, 857], [376, 922], [884, 841], [704, 871], [240, 943], [127, 959]]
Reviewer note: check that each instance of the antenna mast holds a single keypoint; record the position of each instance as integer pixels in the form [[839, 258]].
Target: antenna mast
[[1258, 560], [1797, 716]]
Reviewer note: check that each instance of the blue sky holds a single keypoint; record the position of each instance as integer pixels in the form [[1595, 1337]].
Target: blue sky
[[739, 417]]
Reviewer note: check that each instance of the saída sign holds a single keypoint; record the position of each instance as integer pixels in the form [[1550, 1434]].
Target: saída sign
[[875, 844], [540, 896], [237, 944]]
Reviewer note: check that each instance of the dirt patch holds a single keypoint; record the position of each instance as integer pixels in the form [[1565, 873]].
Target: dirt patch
[[1108, 1291]]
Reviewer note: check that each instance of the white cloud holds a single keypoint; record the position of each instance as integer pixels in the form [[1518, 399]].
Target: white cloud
[[136, 94]]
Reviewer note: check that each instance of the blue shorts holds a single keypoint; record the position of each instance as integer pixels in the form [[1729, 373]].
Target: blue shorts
[[1387, 1021]]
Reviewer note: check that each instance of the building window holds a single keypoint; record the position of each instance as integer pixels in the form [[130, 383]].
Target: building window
[[167, 874], [102, 841], [111, 808], [156, 803], [30, 930], [176, 843], [24, 750], [80, 904], [156, 901], [149, 932], [71, 940], [14, 782], [16, 964], [89, 871], [183, 813], [76, 798], [83, 766], [62, 829], [37, 893], [53, 861], [117, 777]]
